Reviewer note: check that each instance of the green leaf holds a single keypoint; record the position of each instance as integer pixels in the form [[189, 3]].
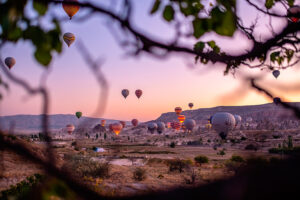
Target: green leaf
[[274, 55], [40, 7], [200, 26], [289, 54], [269, 4], [291, 2], [224, 23], [212, 44], [155, 6], [199, 46], [43, 57], [168, 13]]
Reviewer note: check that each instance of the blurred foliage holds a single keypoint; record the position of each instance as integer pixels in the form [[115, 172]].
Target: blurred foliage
[[201, 159]]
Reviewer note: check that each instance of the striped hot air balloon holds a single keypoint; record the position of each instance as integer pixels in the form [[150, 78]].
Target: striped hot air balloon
[[138, 93], [70, 128], [103, 122], [71, 10], [176, 125], [178, 110], [181, 118], [10, 62], [168, 124], [117, 128], [134, 122], [69, 38]]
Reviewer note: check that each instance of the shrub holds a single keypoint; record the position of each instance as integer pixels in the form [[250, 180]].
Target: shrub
[[172, 145], [177, 165], [221, 152], [243, 138], [236, 158], [201, 159], [160, 176], [73, 143], [139, 174], [251, 147]]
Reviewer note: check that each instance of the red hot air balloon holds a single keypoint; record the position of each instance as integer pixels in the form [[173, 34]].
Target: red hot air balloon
[[168, 124], [191, 105], [10, 62], [117, 127], [123, 123], [181, 118], [295, 10], [134, 122], [103, 122], [175, 125], [70, 128], [138, 93], [178, 110], [71, 10]]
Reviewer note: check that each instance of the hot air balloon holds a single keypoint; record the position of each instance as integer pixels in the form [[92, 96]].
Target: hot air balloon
[[176, 125], [223, 123], [116, 128], [134, 122], [191, 105], [161, 127], [249, 119], [78, 114], [276, 100], [276, 73], [10, 62], [70, 128], [110, 127], [138, 93], [209, 119], [178, 110], [208, 126], [181, 118], [103, 122], [168, 124], [125, 93], [123, 123], [152, 127], [189, 124], [238, 120], [69, 38], [294, 10], [71, 10]]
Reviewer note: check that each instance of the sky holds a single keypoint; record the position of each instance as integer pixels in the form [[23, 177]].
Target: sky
[[166, 83]]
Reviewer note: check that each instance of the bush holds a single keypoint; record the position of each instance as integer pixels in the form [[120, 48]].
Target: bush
[[177, 165], [73, 143], [172, 145], [139, 174], [236, 158], [251, 147], [201, 159], [284, 150], [221, 152]]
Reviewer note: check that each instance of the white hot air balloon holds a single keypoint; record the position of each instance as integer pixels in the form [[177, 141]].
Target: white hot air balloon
[[69, 38], [223, 123], [161, 127], [238, 120], [189, 124], [152, 127]]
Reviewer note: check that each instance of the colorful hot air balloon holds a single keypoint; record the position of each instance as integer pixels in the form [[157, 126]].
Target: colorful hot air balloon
[[176, 125], [138, 93], [178, 110], [134, 122], [117, 128], [295, 10], [10, 62], [276, 73], [223, 123], [125, 93], [69, 38], [78, 114], [161, 127], [123, 123], [208, 126], [103, 122], [71, 10], [191, 105], [168, 124], [276, 100], [189, 124], [70, 128], [181, 118], [152, 127]]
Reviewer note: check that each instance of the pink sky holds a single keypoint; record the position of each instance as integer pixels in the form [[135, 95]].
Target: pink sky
[[166, 83]]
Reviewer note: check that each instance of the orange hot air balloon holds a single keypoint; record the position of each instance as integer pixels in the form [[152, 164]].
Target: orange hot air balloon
[[103, 122], [138, 93], [117, 127], [181, 118], [71, 10], [70, 128], [175, 125], [178, 110], [123, 123], [134, 122]]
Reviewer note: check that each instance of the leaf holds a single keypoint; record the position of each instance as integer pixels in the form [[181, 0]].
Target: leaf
[[43, 57], [291, 2], [155, 6], [199, 46], [269, 4], [212, 44], [200, 26], [274, 55], [40, 7], [289, 54], [224, 23], [168, 13]]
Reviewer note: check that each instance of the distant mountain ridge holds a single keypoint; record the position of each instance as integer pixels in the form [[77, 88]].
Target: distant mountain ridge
[[268, 111], [58, 121]]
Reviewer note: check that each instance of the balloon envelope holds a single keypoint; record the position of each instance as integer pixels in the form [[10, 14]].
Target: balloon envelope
[[176, 125], [238, 120], [71, 10], [123, 123], [189, 124], [78, 114], [294, 10], [181, 118], [70, 128], [10, 62], [103, 122], [134, 122], [125, 93], [178, 110], [276, 100], [223, 123], [276, 73], [152, 127], [69, 38], [191, 105], [116, 128], [161, 127], [138, 93]]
